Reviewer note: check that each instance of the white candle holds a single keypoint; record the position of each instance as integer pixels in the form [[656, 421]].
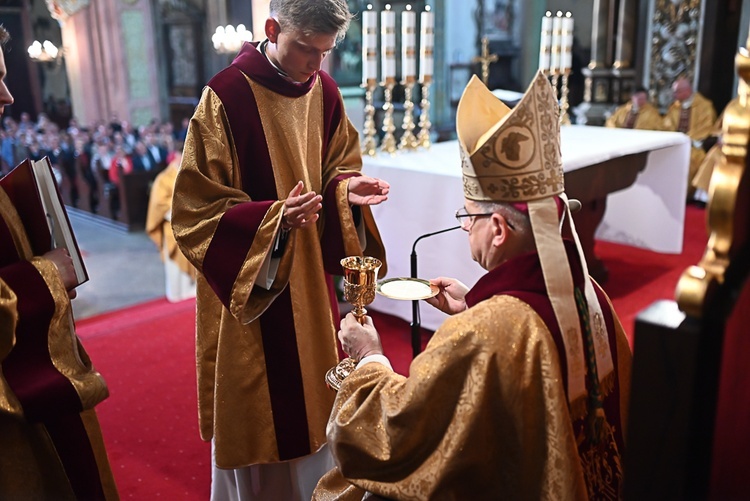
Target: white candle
[[388, 43], [408, 44], [567, 43], [427, 37], [369, 46], [546, 42], [555, 58]]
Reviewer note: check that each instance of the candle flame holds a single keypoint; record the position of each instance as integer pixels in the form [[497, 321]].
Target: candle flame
[[369, 6], [427, 8], [568, 14], [408, 6], [559, 13], [548, 14], [387, 6]]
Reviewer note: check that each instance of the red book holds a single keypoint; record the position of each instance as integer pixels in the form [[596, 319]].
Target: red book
[[33, 190]]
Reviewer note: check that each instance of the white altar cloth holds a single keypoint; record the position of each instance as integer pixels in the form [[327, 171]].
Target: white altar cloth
[[426, 191]]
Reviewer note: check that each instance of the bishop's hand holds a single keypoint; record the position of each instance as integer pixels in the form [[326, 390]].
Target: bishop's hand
[[450, 299], [366, 190], [359, 340]]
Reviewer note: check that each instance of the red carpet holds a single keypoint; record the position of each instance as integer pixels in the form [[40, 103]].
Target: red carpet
[[146, 354]]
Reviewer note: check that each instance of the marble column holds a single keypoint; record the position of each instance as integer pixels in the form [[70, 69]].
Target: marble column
[[600, 35], [106, 45], [626, 34]]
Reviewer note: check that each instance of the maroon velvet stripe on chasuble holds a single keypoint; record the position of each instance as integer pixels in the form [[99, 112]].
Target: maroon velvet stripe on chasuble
[[45, 394], [277, 323], [8, 253]]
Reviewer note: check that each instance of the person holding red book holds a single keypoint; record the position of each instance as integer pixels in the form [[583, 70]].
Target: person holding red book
[[51, 445]]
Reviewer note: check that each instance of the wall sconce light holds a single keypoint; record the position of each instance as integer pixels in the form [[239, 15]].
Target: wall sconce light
[[46, 52], [228, 40]]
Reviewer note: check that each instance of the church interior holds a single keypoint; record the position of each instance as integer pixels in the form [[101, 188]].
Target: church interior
[[100, 76]]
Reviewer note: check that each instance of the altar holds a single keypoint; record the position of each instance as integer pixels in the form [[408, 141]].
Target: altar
[[632, 184]]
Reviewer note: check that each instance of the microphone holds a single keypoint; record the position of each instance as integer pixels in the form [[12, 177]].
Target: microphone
[[416, 321]]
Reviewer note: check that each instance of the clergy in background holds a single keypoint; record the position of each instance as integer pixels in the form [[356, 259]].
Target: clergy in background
[[638, 113], [179, 274], [523, 392], [694, 115]]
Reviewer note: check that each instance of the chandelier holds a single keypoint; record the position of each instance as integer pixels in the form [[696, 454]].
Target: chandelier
[[228, 40], [46, 52]]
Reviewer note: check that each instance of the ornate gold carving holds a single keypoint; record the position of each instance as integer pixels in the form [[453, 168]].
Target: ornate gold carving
[[674, 43], [727, 211]]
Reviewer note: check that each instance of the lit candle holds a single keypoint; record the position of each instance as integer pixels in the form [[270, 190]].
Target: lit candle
[[555, 59], [567, 43], [369, 46], [408, 45], [546, 41], [388, 43], [426, 61]]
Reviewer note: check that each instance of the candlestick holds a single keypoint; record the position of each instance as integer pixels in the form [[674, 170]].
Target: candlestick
[[556, 51], [369, 46], [389, 140], [426, 62], [369, 146], [423, 139], [388, 44], [408, 45], [546, 43], [564, 105], [408, 139]]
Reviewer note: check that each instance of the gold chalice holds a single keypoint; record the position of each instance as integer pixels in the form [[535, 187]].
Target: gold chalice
[[360, 276]]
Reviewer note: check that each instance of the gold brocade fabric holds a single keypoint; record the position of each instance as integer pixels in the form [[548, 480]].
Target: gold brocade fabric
[[158, 226], [233, 390], [702, 119], [483, 415], [29, 465], [648, 117]]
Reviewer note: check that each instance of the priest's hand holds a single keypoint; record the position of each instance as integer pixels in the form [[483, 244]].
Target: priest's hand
[[300, 210], [450, 299], [359, 340], [366, 190], [64, 264]]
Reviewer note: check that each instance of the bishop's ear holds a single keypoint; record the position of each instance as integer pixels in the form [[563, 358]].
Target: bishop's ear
[[500, 229]]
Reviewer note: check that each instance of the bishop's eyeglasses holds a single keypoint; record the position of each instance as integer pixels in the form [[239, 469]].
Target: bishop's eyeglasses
[[465, 219]]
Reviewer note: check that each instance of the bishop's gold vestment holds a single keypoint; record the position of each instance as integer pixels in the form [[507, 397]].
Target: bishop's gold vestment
[[482, 415]]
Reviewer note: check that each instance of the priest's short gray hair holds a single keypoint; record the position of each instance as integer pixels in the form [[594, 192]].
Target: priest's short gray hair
[[313, 17]]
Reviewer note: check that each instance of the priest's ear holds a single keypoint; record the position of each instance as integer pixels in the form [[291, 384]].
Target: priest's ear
[[273, 28]]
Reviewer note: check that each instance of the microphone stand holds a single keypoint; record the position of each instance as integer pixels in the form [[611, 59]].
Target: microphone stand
[[416, 321]]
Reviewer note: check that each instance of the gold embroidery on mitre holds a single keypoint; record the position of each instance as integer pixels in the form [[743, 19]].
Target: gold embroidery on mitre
[[510, 155]]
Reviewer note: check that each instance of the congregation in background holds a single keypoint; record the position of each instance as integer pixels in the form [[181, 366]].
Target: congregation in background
[[91, 161]]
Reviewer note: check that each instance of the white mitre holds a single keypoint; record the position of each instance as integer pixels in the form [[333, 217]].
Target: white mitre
[[513, 156]]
